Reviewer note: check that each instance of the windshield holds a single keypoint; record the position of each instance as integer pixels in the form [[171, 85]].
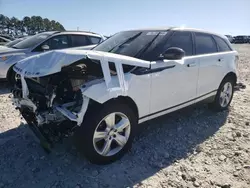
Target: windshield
[[131, 43], [12, 43], [32, 41]]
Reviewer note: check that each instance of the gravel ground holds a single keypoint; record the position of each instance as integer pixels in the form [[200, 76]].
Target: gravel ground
[[194, 147]]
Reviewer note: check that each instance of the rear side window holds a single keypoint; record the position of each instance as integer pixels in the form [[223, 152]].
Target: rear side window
[[205, 44], [94, 40], [222, 45], [79, 40], [181, 39]]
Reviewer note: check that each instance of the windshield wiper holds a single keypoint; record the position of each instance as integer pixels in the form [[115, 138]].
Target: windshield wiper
[[126, 41], [147, 46]]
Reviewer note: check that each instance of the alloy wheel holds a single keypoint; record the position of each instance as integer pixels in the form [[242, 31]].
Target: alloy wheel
[[226, 94], [111, 134]]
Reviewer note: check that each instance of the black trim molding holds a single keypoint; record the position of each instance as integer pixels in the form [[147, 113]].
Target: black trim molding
[[176, 105], [142, 71]]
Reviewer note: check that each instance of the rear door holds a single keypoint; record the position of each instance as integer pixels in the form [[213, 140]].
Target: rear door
[[227, 57], [94, 40], [209, 63], [79, 40]]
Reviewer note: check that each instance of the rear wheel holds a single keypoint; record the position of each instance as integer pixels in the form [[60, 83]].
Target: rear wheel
[[224, 95], [105, 136]]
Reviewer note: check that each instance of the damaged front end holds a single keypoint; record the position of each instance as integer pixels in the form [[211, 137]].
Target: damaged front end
[[56, 88], [54, 104]]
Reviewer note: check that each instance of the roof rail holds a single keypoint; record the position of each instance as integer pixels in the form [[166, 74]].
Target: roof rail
[[80, 31]]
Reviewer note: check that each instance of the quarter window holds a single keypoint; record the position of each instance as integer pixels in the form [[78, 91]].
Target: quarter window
[[79, 40], [181, 40], [94, 40], [222, 45], [204, 44]]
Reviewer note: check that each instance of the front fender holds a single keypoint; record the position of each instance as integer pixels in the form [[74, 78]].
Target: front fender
[[100, 93]]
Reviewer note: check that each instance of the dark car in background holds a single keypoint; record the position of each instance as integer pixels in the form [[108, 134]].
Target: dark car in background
[[7, 36], [3, 40], [230, 38], [240, 39], [248, 39]]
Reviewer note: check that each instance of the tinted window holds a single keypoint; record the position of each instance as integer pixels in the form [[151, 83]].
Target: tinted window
[[205, 44], [32, 41], [132, 43], [94, 40], [181, 40], [222, 45], [79, 40], [1, 40], [57, 42], [12, 43]]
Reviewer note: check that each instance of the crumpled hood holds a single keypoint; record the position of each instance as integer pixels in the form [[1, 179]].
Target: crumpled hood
[[11, 51], [51, 62]]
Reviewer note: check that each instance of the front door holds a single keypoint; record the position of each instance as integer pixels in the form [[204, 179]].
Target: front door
[[175, 86]]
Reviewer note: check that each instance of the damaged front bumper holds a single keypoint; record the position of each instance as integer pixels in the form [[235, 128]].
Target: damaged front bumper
[[47, 125]]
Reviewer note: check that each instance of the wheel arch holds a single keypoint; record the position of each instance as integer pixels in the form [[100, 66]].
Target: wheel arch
[[232, 76], [9, 72], [120, 99], [126, 100]]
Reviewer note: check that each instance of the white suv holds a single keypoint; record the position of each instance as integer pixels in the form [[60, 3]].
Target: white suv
[[101, 95]]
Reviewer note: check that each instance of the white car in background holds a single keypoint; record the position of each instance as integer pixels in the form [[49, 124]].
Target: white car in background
[[100, 95], [42, 42]]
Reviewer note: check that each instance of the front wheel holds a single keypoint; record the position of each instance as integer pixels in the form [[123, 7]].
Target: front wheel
[[13, 77], [105, 136], [224, 95]]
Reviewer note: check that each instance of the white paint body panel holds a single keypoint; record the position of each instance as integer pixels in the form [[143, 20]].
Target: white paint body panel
[[174, 85], [213, 68], [51, 62], [153, 93]]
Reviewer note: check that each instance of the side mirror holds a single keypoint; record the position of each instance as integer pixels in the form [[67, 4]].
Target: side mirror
[[45, 47], [173, 53]]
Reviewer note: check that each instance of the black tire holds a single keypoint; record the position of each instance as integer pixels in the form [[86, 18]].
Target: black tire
[[83, 136], [11, 77], [216, 105]]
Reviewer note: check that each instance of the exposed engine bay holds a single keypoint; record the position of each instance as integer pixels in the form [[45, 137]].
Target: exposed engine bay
[[55, 99]]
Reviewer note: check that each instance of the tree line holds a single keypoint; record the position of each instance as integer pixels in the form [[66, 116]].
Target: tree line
[[28, 25]]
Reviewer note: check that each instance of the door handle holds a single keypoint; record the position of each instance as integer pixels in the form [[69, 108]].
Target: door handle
[[191, 65]]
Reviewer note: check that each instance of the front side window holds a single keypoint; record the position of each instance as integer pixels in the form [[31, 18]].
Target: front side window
[[222, 45], [79, 40], [94, 40], [56, 42], [204, 44], [181, 39], [32, 41], [132, 43]]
